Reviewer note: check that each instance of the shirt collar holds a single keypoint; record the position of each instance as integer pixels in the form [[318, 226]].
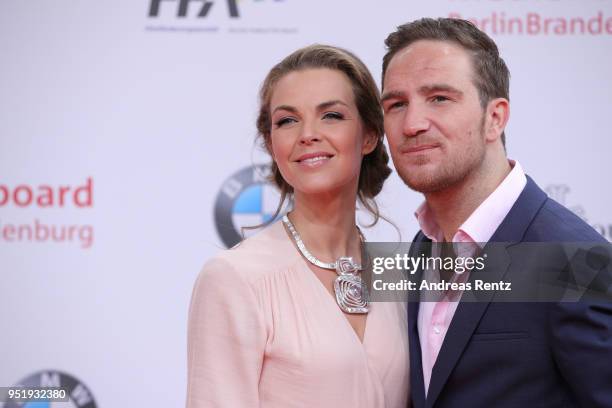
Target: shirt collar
[[486, 218]]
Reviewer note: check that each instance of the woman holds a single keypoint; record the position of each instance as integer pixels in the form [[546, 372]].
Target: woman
[[275, 322]]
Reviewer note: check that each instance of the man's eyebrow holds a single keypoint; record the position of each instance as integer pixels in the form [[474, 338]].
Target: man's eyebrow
[[392, 95], [428, 89]]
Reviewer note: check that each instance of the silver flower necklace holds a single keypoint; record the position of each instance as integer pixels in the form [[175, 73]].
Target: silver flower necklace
[[351, 293]]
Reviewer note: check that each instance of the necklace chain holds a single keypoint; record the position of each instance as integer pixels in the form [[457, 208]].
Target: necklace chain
[[351, 293], [306, 253]]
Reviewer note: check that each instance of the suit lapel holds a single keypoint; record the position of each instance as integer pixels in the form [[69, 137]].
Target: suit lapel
[[464, 323], [416, 365], [468, 314]]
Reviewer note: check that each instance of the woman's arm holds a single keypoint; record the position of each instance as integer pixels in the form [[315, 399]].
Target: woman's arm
[[226, 340]]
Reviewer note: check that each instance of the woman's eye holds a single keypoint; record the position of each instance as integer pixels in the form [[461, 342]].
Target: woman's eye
[[333, 115], [284, 121]]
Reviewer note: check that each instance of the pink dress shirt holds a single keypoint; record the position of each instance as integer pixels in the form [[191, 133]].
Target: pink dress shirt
[[265, 332], [435, 317]]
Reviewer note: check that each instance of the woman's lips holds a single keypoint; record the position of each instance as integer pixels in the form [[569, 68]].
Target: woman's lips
[[314, 160]]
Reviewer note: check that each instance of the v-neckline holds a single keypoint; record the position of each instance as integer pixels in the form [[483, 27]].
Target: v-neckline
[[332, 301], [330, 297], [334, 305]]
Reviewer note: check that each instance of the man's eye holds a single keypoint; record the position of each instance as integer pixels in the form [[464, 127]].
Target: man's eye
[[439, 98], [333, 115], [396, 105], [284, 121]]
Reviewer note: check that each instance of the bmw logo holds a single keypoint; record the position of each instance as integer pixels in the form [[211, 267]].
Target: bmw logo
[[79, 395], [245, 199]]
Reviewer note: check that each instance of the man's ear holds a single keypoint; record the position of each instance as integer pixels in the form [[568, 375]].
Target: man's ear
[[370, 140], [496, 118]]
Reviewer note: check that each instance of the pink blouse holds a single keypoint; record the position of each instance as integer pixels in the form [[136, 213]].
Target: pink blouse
[[265, 332]]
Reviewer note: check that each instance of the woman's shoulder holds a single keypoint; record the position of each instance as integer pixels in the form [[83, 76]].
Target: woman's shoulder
[[263, 253]]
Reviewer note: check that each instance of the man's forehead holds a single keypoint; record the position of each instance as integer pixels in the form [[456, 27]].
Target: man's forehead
[[428, 58], [431, 47]]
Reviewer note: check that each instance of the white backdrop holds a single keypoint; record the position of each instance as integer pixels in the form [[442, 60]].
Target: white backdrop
[[151, 115]]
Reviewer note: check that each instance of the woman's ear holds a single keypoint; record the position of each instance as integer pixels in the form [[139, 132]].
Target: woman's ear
[[268, 143], [370, 140]]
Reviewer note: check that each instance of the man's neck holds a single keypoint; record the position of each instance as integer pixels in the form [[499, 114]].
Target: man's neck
[[452, 206]]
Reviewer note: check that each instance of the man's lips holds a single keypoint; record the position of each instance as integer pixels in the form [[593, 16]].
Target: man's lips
[[419, 148]]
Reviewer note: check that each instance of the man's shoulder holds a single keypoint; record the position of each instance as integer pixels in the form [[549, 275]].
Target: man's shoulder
[[419, 236], [554, 222]]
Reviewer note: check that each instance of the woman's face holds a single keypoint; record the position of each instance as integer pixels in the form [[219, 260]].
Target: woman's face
[[317, 137]]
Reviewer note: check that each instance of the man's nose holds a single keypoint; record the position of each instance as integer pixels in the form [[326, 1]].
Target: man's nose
[[415, 121]]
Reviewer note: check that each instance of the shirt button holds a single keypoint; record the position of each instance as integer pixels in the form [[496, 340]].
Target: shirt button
[[437, 329]]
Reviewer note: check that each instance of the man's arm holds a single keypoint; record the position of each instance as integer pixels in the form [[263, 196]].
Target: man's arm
[[581, 338]]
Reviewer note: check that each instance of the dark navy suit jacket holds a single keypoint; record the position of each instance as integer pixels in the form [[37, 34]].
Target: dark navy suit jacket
[[522, 355]]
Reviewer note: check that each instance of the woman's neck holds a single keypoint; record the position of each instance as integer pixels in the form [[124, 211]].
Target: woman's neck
[[326, 224]]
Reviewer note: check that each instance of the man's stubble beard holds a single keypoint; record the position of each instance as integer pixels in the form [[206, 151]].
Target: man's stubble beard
[[449, 172]]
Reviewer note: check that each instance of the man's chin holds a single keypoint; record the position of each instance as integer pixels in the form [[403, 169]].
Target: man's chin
[[425, 183], [423, 188]]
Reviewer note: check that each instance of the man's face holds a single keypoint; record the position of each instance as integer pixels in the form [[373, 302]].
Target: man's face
[[433, 117]]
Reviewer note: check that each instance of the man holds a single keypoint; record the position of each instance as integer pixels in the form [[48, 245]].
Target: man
[[446, 104]]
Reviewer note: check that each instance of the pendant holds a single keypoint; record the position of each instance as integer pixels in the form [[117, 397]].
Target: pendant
[[351, 293]]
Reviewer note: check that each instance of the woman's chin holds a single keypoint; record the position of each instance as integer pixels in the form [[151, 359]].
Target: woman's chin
[[322, 187]]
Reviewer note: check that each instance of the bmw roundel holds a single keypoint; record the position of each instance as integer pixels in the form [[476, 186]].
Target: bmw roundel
[[245, 199]]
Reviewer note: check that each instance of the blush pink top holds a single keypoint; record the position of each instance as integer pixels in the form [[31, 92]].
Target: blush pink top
[[265, 332]]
